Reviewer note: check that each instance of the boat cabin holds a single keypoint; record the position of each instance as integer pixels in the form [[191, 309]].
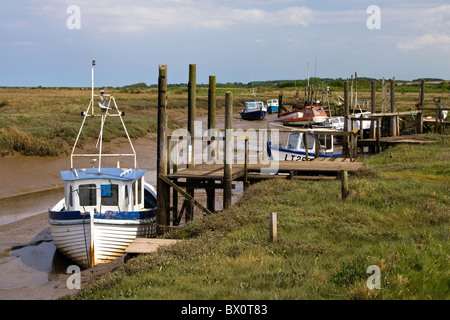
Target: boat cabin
[[297, 141], [313, 112], [252, 105], [114, 189]]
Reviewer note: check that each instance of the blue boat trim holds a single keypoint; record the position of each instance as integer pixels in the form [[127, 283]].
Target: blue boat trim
[[105, 173], [108, 215], [309, 153]]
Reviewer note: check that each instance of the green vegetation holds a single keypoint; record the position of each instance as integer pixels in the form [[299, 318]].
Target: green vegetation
[[399, 221], [45, 121]]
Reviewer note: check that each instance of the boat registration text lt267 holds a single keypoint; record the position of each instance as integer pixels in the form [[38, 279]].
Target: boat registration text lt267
[[293, 157]]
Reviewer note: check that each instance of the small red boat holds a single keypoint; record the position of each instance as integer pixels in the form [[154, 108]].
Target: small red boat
[[310, 115]]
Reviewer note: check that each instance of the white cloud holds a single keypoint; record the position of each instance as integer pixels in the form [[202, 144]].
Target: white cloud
[[135, 15], [429, 41], [435, 18]]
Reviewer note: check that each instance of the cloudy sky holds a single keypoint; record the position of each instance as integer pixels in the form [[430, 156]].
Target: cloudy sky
[[52, 42]]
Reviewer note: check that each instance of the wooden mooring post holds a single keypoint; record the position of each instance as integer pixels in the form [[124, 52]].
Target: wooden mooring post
[[394, 120], [228, 155], [163, 190], [192, 101], [373, 90], [211, 192], [345, 140]]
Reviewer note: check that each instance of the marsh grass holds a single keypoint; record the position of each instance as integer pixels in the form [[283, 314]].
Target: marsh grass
[[325, 244], [45, 122], [52, 115]]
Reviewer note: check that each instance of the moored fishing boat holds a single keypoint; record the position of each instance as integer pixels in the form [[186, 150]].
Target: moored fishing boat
[[310, 115], [298, 144], [104, 208], [254, 110], [272, 105]]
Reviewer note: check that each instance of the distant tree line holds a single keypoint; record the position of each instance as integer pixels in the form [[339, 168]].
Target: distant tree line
[[336, 84]]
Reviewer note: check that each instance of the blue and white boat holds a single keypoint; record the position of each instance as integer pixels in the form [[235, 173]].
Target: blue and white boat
[[272, 105], [254, 110], [298, 144], [104, 208]]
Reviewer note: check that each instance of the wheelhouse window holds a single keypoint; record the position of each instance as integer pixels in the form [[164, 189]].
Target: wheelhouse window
[[87, 194], [140, 190], [293, 140], [110, 194], [311, 141], [70, 197], [127, 198], [137, 192]]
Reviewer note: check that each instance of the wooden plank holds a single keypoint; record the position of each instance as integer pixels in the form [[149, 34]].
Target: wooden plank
[[215, 171], [184, 194], [148, 245]]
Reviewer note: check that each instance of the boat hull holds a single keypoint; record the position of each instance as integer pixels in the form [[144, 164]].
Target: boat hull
[[253, 115], [272, 109], [292, 114], [303, 121], [71, 234]]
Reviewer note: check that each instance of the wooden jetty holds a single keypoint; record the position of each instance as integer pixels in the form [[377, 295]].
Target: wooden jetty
[[172, 182], [329, 166], [175, 181]]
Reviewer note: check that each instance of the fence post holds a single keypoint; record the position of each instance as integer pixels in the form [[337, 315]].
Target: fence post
[[344, 183], [273, 234]]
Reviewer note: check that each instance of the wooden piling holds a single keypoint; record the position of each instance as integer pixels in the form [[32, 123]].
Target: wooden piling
[[163, 196], [421, 102], [345, 140], [211, 192], [393, 119], [192, 100], [383, 96], [281, 108], [192, 92], [373, 90], [228, 156], [273, 233], [212, 103], [421, 93]]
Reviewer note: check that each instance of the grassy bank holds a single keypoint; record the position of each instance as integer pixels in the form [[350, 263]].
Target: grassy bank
[[399, 221]]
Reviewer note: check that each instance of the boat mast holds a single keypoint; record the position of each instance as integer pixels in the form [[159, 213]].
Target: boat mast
[[104, 115], [92, 95]]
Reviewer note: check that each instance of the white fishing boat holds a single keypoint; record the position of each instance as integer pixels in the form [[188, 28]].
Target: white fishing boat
[[254, 110], [298, 144], [104, 208]]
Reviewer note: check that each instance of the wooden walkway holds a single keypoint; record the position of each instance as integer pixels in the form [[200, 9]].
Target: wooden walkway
[[148, 245], [387, 141], [316, 166]]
